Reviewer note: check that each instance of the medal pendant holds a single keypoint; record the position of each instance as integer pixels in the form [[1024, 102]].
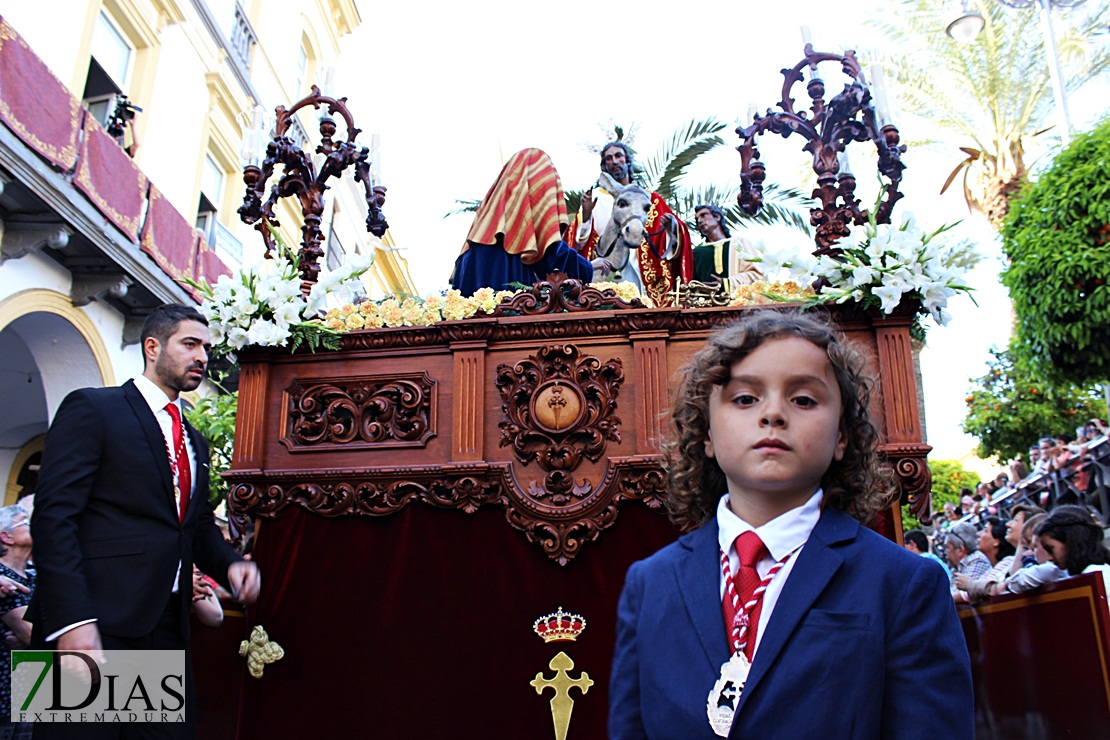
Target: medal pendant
[[176, 492], [725, 696]]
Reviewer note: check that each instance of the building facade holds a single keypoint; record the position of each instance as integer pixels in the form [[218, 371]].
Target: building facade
[[121, 125]]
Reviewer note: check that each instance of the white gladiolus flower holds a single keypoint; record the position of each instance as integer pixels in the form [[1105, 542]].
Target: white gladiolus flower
[[863, 274], [888, 296], [289, 313], [267, 334], [237, 338]]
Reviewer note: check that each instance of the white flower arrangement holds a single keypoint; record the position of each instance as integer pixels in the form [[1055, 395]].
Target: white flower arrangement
[[263, 306], [887, 264]]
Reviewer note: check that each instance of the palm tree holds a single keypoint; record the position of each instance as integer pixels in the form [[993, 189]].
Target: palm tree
[[994, 91]]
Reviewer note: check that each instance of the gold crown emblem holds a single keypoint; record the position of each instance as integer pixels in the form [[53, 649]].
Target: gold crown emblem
[[559, 626]]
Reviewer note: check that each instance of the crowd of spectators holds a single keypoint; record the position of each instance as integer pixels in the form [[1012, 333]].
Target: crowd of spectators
[[1048, 524]]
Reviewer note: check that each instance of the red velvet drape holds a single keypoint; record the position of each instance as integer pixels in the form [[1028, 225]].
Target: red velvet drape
[[419, 624]]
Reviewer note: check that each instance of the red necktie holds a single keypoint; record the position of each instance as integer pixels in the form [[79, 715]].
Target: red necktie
[[750, 550], [179, 462]]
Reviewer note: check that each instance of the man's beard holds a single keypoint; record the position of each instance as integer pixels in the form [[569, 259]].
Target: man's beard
[[183, 382], [619, 172]]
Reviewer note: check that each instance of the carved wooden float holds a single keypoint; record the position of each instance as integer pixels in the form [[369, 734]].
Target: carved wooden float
[[424, 494]]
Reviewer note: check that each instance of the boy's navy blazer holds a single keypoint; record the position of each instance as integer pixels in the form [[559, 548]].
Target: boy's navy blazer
[[863, 642]]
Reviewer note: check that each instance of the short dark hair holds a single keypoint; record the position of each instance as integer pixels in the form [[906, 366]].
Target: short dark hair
[[716, 211], [917, 537], [162, 322], [1029, 510], [1081, 534]]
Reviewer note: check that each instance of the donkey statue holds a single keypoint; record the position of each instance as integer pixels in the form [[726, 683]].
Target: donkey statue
[[623, 235]]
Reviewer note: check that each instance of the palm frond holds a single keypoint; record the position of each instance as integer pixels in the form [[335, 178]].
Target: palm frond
[[663, 171], [465, 206]]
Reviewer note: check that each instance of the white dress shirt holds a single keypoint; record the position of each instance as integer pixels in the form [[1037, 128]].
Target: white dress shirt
[[783, 535]]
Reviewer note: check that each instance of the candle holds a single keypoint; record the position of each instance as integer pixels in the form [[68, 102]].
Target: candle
[[807, 37], [375, 159], [750, 118], [878, 95], [842, 159], [250, 153]]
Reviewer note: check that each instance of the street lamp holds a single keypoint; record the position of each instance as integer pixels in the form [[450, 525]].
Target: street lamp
[[303, 178], [961, 30], [965, 28], [858, 113]]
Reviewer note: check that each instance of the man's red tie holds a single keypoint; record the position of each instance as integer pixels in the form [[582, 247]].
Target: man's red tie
[[179, 457], [750, 550]]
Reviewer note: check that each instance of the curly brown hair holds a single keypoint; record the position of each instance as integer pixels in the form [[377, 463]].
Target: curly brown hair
[[859, 483]]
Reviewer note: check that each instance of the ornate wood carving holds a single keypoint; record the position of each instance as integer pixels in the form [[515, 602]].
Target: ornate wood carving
[[561, 530], [559, 407], [364, 412], [911, 465], [559, 293]]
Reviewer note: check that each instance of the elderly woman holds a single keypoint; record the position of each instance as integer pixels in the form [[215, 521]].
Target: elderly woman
[[1000, 552]]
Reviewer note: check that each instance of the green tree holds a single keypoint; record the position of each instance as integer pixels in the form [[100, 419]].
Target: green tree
[[1058, 240], [994, 91], [949, 476], [1013, 406], [214, 417]]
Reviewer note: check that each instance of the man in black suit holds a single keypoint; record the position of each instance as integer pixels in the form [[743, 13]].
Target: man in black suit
[[115, 546]]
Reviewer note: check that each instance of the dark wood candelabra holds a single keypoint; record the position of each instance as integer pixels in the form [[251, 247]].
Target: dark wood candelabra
[[828, 128], [301, 178]]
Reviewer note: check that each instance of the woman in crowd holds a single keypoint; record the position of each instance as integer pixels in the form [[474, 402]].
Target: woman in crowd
[[1075, 542], [1037, 571], [993, 544]]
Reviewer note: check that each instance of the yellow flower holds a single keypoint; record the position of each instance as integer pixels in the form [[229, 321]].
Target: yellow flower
[[483, 295], [433, 302], [411, 314], [501, 295], [335, 323], [388, 305], [355, 321], [373, 322], [368, 308], [471, 306], [332, 314], [347, 310], [392, 316], [626, 291]]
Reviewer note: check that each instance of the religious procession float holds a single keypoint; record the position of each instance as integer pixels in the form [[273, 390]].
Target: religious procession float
[[444, 493]]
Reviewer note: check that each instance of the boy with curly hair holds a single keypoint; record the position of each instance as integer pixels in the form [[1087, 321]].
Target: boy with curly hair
[[780, 614]]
